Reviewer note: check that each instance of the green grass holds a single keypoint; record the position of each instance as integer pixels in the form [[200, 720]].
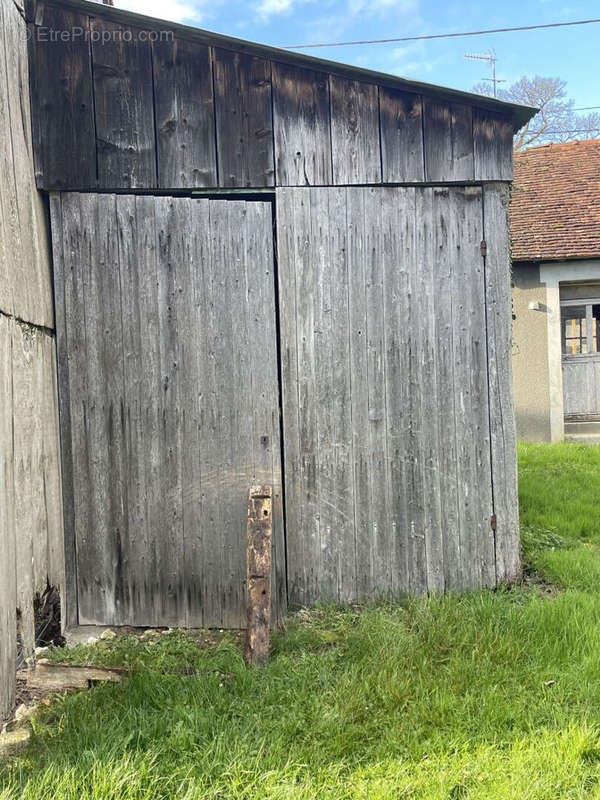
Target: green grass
[[444, 697], [559, 494]]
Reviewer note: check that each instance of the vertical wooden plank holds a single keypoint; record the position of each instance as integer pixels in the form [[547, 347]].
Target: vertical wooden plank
[[493, 146], [327, 513], [134, 541], [235, 455], [475, 501], [399, 230], [263, 377], [448, 132], [343, 542], [64, 134], [27, 495], [151, 390], [427, 418], [474, 279], [105, 422], [185, 123], [9, 212], [401, 121], [361, 450], [442, 270], [502, 425], [417, 513], [211, 438], [287, 254], [306, 278], [376, 390], [8, 601], [171, 230], [196, 535], [355, 146], [301, 126], [31, 283], [63, 302], [51, 466], [124, 106], [243, 119], [228, 222]]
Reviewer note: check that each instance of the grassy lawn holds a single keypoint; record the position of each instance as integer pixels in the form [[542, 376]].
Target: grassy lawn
[[487, 695]]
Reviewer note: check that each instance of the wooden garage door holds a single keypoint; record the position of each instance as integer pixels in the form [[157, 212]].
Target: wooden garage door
[[385, 391], [169, 402]]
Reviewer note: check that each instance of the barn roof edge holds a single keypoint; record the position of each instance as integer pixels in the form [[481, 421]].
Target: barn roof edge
[[519, 114]]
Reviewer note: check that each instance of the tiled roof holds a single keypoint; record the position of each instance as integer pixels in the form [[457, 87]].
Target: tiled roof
[[555, 204]]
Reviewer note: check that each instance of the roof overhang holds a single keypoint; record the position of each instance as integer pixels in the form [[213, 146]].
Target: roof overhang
[[518, 114]]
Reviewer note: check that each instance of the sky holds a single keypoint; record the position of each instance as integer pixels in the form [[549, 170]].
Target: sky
[[572, 54]]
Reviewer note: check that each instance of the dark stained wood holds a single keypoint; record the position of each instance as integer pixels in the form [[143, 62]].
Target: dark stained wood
[[243, 119], [259, 567], [493, 143], [354, 132], [62, 101], [520, 114], [123, 94], [184, 108], [401, 120], [448, 132], [302, 126], [312, 127]]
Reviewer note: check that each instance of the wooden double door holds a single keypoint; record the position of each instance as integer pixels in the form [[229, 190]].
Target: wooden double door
[[375, 348]]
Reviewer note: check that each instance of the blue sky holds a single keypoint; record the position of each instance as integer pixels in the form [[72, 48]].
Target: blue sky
[[568, 53]]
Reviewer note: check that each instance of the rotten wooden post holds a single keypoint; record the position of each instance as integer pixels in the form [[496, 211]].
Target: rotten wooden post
[[259, 559]]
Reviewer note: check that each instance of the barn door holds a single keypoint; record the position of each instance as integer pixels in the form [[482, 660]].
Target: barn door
[[169, 402], [385, 391]]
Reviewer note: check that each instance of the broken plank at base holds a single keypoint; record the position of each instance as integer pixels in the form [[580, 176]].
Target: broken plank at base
[[59, 677], [259, 555]]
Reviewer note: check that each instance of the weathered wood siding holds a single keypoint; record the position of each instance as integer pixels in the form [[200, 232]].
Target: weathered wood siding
[[181, 113], [502, 412], [31, 539], [385, 391], [169, 402]]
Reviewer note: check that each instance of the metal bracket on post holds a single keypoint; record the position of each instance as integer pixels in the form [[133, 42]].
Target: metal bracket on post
[[259, 560]]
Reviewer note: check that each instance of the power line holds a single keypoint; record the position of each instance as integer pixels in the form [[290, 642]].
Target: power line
[[445, 35], [586, 108], [574, 130]]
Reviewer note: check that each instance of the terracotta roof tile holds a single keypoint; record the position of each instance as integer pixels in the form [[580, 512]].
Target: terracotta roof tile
[[555, 203]]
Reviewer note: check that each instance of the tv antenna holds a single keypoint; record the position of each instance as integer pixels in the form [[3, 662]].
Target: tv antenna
[[490, 57]]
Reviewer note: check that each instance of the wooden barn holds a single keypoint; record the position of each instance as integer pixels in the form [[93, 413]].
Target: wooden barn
[[270, 269]]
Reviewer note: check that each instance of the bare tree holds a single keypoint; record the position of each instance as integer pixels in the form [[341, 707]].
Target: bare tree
[[557, 121]]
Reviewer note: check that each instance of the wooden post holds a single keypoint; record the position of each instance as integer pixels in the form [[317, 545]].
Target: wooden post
[[260, 530]]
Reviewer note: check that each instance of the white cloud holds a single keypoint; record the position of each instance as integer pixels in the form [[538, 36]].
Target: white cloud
[[172, 10], [267, 8], [371, 7]]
